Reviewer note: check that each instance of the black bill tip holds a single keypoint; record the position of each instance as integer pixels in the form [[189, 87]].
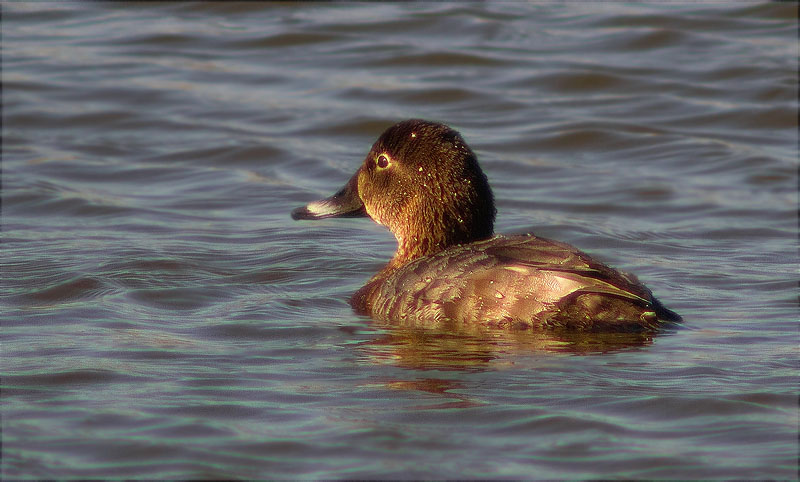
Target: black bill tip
[[302, 213], [343, 204]]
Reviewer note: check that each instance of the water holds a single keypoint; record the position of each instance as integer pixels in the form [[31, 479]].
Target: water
[[163, 317]]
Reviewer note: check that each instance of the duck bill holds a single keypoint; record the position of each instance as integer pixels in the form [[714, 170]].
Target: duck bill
[[343, 204]]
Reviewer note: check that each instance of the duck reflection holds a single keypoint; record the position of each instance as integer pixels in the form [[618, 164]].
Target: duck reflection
[[481, 348]]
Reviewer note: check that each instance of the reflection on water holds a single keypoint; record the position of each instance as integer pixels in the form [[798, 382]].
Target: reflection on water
[[163, 317], [483, 349]]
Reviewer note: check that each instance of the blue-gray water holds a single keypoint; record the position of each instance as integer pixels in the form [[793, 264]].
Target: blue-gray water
[[163, 317]]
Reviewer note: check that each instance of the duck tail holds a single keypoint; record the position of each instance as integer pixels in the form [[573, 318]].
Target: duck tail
[[665, 314]]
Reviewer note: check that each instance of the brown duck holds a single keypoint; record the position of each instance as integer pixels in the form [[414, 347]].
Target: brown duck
[[423, 182]]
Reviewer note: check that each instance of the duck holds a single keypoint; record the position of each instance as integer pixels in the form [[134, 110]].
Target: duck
[[422, 181]]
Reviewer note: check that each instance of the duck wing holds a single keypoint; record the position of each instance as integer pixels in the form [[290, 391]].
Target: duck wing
[[517, 280], [526, 254]]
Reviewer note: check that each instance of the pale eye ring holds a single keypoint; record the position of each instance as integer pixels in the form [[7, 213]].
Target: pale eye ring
[[382, 161]]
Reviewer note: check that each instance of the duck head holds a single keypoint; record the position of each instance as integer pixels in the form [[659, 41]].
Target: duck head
[[422, 181]]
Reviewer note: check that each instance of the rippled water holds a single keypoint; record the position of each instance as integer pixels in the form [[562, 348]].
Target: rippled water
[[163, 317]]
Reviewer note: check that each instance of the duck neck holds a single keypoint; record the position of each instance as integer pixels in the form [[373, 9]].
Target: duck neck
[[411, 247]]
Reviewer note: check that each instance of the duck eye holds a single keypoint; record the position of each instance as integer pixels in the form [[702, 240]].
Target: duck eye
[[383, 161]]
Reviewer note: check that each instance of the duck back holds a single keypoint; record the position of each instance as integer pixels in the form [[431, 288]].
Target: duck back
[[517, 281]]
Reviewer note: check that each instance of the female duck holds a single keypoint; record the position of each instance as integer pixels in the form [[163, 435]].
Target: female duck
[[423, 182]]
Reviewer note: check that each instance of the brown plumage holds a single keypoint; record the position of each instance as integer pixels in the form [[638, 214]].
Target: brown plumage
[[423, 182]]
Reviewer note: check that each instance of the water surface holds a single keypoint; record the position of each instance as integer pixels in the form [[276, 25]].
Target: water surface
[[163, 317]]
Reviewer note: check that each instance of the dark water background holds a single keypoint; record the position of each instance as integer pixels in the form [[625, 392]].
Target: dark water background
[[163, 317]]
